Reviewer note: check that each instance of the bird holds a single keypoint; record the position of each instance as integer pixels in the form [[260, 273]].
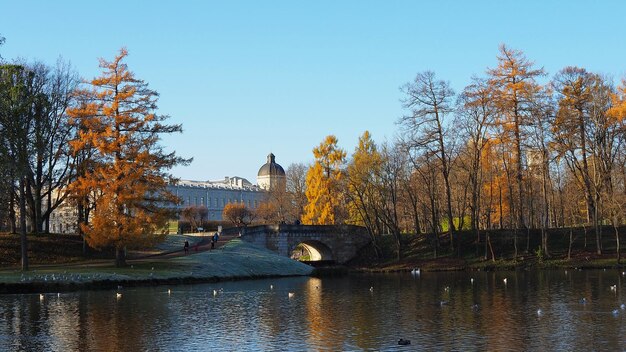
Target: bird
[[403, 342], [622, 306], [472, 281], [58, 295], [416, 271], [613, 287], [443, 303], [41, 296], [169, 291], [447, 288], [372, 289], [214, 292], [583, 300], [615, 312], [291, 294], [271, 287], [118, 295], [504, 280], [539, 312]]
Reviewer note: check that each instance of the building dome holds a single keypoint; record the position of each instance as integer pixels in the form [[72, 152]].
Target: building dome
[[271, 168], [271, 174]]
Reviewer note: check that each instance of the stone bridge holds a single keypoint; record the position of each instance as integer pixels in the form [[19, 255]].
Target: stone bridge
[[338, 243]]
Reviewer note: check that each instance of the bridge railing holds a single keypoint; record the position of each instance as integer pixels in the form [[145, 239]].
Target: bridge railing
[[282, 228]]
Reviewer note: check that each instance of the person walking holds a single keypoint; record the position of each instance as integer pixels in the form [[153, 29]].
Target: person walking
[[186, 247], [214, 240]]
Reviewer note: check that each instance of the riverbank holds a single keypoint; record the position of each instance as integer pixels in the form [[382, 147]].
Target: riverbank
[[469, 254], [235, 260]]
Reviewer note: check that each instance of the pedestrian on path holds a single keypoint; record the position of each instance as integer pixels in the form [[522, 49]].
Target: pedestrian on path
[[214, 240], [186, 247]]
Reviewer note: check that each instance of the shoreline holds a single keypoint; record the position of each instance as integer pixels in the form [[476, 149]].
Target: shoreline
[[236, 260]]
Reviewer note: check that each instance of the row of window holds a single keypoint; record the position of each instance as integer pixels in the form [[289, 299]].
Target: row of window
[[224, 201]]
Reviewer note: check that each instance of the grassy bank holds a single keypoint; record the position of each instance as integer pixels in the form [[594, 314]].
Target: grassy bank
[[471, 253], [235, 260]]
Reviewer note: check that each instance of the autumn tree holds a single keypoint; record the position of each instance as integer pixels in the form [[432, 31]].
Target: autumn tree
[[238, 214], [430, 104], [195, 215], [118, 120], [363, 173], [325, 201], [514, 89]]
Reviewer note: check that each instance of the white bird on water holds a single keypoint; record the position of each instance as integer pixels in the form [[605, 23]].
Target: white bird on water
[[539, 312], [271, 287], [472, 280], [291, 294], [41, 296], [613, 288], [169, 291], [118, 295], [214, 292], [504, 280], [372, 289]]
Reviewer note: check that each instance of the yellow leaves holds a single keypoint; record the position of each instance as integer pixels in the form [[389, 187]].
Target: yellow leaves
[[618, 111], [323, 180]]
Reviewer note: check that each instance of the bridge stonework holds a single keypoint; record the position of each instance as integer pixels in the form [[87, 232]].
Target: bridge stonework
[[334, 242]]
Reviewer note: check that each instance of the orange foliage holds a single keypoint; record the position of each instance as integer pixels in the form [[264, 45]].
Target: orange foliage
[[115, 120]]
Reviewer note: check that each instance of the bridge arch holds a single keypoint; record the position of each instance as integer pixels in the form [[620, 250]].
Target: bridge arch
[[338, 243], [315, 250]]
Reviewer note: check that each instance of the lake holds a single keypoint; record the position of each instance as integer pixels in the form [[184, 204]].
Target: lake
[[532, 311]]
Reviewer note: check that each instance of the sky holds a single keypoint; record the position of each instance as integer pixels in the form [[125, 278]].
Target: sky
[[246, 78]]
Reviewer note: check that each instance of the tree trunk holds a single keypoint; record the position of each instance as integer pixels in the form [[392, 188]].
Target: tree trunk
[[12, 215], [23, 240], [617, 241], [571, 241], [120, 257]]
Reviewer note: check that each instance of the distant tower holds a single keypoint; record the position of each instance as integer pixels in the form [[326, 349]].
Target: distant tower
[[271, 175]]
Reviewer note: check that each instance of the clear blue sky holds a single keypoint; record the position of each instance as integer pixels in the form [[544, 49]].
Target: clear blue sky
[[246, 78]]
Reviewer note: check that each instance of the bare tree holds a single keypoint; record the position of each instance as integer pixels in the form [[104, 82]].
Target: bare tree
[[430, 103]]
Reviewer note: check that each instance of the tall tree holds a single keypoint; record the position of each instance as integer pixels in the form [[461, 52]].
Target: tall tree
[[324, 180], [20, 98], [118, 120], [363, 178], [475, 115], [296, 187], [514, 89], [430, 103]]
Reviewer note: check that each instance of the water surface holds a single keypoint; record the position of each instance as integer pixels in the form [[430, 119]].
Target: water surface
[[532, 311]]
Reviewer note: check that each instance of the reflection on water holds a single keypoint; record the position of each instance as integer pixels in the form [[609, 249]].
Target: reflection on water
[[436, 311]]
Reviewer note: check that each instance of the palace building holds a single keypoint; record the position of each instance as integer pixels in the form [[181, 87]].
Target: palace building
[[214, 195]]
